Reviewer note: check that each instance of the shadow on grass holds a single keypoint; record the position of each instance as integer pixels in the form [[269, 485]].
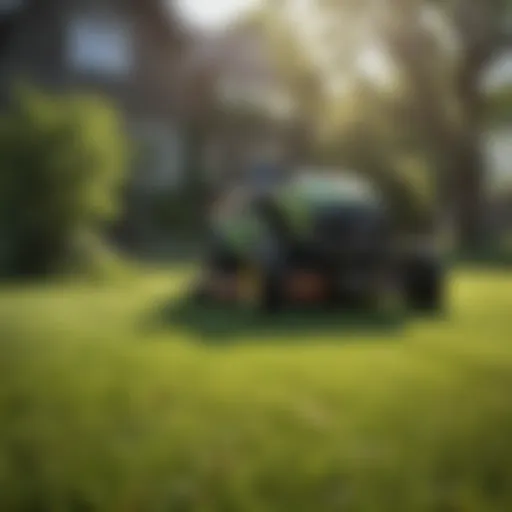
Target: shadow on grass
[[224, 324]]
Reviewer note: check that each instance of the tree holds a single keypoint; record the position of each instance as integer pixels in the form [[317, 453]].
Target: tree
[[62, 166], [363, 139], [348, 125], [479, 34], [439, 50]]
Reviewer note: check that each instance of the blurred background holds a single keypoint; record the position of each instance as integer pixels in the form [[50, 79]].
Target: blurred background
[[121, 121], [199, 94]]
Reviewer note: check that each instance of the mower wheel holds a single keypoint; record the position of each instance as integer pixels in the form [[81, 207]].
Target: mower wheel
[[272, 297], [423, 283]]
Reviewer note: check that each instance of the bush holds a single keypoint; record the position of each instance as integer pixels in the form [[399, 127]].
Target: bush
[[62, 164], [91, 257]]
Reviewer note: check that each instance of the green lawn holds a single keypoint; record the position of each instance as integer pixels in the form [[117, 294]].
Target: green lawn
[[116, 398]]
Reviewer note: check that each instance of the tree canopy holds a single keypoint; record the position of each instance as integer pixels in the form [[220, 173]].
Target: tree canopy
[[382, 83]]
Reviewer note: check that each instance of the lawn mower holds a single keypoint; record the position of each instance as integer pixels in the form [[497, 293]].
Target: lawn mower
[[316, 240]]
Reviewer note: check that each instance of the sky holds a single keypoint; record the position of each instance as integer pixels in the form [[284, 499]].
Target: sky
[[211, 14]]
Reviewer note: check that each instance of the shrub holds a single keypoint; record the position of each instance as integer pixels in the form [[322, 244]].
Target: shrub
[[62, 164]]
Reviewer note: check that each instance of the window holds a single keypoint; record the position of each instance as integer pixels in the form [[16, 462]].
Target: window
[[161, 158], [9, 6], [100, 45]]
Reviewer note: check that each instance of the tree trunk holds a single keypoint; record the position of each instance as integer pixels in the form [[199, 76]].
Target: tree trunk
[[470, 194], [468, 163]]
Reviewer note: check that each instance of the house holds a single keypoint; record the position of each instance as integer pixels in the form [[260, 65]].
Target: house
[[129, 50], [253, 114]]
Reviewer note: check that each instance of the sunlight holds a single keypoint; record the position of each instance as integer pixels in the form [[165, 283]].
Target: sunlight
[[310, 28], [374, 65], [212, 14]]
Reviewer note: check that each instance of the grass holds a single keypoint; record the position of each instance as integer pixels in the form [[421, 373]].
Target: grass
[[106, 404]]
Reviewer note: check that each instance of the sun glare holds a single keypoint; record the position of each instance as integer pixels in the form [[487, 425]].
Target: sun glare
[[374, 65], [212, 14]]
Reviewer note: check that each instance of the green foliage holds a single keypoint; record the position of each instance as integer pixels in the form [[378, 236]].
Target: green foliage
[[411, 189], [91, 257], [369, 126], [437, 60], [97, 413], [500, 106], [359, 135], [62, 163]]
